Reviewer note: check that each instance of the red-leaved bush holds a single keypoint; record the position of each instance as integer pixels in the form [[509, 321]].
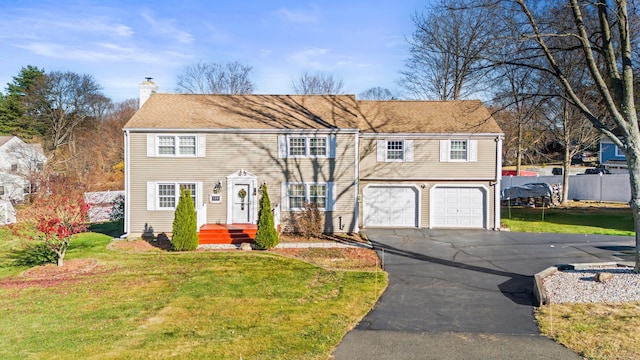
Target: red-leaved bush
[[56, 216]]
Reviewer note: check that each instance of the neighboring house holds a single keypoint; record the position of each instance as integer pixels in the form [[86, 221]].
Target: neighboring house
[[611, 157], [19, 163], [365, 164]]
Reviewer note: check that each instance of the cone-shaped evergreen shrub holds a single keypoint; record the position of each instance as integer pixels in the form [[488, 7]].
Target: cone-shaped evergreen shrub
[[185, 233], [267, 236]]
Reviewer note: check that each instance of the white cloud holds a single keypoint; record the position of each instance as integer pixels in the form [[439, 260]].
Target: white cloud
[[101, 52], [299, 16], [310, 58], [167, 27], [265, 53]]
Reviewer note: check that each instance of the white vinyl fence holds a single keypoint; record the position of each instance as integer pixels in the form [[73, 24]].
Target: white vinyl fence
[[7, 213], [615, 187], [101, 203]]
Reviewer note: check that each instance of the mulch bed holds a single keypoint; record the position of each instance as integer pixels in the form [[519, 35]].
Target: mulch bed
[[51, 275]]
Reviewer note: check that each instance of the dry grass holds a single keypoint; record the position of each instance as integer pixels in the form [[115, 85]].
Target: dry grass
[[595, 331]]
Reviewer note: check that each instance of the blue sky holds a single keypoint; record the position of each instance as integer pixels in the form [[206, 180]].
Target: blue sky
[[122, 42]]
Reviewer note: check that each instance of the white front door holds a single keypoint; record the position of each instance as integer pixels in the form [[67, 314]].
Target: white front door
[[241, 199]]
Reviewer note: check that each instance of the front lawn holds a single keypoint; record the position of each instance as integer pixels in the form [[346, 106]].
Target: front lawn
[[594, 331], [575, 220], [197, 305]]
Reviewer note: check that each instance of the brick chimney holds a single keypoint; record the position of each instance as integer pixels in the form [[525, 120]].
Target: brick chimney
[[147, 88]]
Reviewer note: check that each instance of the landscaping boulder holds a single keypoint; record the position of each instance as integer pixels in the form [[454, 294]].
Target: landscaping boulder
[[246, 247], [603, 277]]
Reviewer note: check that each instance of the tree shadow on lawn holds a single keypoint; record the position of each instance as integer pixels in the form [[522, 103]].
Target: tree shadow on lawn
[[519, 288]]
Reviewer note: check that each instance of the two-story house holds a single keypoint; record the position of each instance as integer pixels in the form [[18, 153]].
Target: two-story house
[[19, 163], [363, 163]]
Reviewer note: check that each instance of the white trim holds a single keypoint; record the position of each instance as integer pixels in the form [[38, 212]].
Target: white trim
[[429, 135], [478, 186], [428, 179], [247, 131], [497, 187], [618, 152], [127, 185], [243, 177], [388, 185], [356, 184]]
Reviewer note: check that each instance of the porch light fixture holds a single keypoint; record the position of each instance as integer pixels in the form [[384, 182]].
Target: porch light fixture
[[217, 187]]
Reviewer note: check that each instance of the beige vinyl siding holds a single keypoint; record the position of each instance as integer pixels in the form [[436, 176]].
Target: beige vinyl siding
[[227, 154], [425, 188], [426, 162]]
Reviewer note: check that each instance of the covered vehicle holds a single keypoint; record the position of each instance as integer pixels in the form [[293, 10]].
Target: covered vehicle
[[527, 191]]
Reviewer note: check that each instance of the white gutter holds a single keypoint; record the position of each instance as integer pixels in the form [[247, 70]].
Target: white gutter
[[496, 190], [127, 187], [357, 183], [247, 131]]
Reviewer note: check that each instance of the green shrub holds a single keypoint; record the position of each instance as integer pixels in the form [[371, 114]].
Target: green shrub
[[185, 232], [33, 253], [267, 236]]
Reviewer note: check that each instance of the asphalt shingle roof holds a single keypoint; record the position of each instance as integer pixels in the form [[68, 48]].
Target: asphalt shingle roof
[[189, 111]]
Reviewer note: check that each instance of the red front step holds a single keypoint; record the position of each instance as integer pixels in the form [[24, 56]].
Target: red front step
[[227, 234]]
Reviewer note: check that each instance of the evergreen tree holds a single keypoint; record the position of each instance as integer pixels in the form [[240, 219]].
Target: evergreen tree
[[13, 119], [266, 237], [185, 233]]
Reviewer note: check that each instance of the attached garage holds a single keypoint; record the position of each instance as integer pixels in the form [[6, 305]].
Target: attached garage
[[458, 207], [390, 206]]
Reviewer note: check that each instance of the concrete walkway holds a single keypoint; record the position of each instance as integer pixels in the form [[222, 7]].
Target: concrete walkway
[[466, 294]]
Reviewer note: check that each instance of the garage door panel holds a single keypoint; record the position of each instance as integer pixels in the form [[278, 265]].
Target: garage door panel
[[458, 207], [390, 206]]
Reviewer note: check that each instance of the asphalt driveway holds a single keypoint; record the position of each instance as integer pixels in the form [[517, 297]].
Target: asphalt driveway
[[466, 294]]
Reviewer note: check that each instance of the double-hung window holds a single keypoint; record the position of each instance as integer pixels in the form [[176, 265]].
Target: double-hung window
[[318, 146], [176, 145], [316, 194], [394, 150], [458, 150], [169, 194], [307, 146], [298, 146]]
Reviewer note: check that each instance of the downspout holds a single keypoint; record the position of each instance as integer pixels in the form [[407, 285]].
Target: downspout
[[496, 190], [127, 187], [356, 181]]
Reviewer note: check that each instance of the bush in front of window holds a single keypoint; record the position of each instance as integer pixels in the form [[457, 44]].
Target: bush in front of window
[[309, 222], [185, 232], [267, 236]]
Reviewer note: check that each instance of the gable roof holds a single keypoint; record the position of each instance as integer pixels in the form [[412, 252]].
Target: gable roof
[[5, 139], [190, 111], [194, 111], [399, 116]]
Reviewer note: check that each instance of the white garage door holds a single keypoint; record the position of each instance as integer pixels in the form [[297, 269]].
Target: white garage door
[[457, 207], [390, 206]]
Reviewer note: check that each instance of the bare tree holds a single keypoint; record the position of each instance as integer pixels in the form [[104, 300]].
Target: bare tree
[[215, 78], [445, 60], [601, 34], [62, 101], [317, 84], [376, 93], [518, 95]]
